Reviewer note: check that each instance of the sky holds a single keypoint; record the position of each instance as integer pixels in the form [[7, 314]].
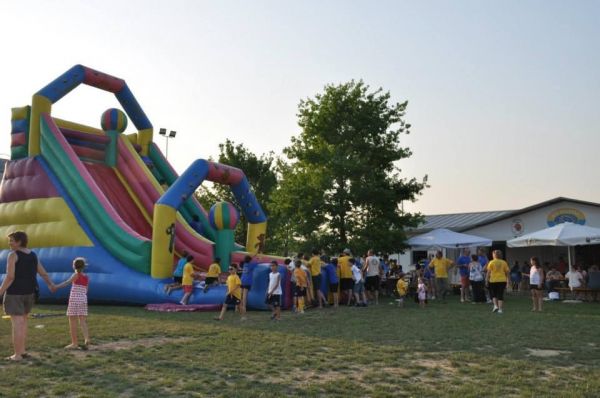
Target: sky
[[503, 96]]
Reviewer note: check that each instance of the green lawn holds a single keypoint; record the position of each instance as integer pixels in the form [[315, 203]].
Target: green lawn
[[444, 350]]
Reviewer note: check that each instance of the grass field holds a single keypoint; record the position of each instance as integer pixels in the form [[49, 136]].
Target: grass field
[[445, 350]]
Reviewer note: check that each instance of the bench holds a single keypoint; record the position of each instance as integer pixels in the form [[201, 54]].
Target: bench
[[588, 293]]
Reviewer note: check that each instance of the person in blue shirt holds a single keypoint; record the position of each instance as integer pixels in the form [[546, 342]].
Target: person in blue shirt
[[248, 267], [177, 274], [331, 270], [463, 269]]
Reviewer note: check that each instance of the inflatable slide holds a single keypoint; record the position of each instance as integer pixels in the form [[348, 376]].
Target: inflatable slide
[[114, 199]]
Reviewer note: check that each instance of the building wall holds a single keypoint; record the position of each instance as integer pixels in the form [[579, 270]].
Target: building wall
[[535, 220]]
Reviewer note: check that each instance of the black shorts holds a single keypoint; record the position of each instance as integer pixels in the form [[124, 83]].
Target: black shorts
[[299, 291], [210, 280], [497, 290], [247, 287], [274, 300], [372, 283], [346, 283], [333, 288], [178, 279], [316, 283], [231, 300], [535, 287]]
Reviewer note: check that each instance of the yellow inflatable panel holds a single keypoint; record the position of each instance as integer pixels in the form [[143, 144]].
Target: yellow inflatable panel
[[65, 124], [255, 239], [39, 105], [48, 222], [162, 256], [20, 113]]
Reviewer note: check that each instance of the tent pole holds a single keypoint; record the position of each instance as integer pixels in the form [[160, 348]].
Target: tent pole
[[569, 254]]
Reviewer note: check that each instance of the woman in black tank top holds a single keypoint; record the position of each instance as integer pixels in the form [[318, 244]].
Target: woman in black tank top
[[19, 286]]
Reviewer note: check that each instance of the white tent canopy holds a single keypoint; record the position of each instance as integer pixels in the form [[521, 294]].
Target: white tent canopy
[[446, 238], [564, 234]]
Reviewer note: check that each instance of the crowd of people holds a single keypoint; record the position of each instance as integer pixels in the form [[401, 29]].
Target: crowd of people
[[350, 280]]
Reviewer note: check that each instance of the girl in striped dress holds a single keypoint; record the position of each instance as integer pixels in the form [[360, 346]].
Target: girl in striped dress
[[77, 309]]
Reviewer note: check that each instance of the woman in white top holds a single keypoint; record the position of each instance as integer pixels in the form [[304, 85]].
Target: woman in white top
[[536, 283]]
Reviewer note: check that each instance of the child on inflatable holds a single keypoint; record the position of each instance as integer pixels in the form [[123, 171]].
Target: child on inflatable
[[177, 274], [187, 280]]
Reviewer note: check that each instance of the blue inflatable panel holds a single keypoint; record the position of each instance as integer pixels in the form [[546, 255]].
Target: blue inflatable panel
[[133, 109], [62, 85]]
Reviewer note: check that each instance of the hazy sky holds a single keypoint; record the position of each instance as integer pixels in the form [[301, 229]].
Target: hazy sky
[[504, 96]]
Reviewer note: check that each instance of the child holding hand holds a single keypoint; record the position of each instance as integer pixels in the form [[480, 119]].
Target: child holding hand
[[77, 309]]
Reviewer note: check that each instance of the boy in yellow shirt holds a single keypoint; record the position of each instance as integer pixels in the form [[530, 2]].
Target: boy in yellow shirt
[[234, 294], [187, 280], [212, 276], [301, 286]]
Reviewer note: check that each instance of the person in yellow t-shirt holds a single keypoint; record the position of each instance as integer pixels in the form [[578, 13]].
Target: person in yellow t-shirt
[[212, 276], [496, 278], [346, 281], [187, 280], [314, 264], [301, 286], [441, 265], [234, 294], [401, 288]]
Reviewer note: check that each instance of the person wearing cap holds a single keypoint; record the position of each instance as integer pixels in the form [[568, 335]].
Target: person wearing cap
[[234, 294], [315, 271], [345, 268]]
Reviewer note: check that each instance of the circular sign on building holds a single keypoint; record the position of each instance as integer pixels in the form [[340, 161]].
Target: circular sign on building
[[517, 227], [560, 216]]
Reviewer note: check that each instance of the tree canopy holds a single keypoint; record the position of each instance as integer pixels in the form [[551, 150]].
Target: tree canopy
[[341, 186], [260, 171]]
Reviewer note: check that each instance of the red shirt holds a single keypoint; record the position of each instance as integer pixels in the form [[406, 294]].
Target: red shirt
[[82, 280]]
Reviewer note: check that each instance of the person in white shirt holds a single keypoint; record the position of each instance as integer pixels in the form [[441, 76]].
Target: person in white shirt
[[575, 278], [373, 270], [359, 285], [274, 291]]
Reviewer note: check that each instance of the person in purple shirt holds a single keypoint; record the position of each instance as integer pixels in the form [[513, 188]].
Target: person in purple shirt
[[333, 279], [248, 267], [463, 270]]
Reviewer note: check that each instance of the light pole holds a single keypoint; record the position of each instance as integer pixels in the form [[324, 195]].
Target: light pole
[[171, 134]]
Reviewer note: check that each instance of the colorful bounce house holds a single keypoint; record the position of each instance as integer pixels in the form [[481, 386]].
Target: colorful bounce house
[[114, 199]]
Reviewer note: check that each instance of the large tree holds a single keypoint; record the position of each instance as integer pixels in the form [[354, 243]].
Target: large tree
[[342, 186], [260, 171]]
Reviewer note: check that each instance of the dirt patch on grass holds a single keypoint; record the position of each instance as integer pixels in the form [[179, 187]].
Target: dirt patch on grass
[[129, 344], [534, 352]]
